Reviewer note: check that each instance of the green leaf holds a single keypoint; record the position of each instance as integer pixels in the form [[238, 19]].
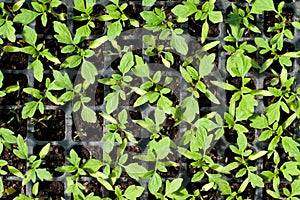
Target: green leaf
[[38, 70], [112, 102], [8, 31], [29, 35], [63, 34], [82, 33], [163, 148], [114, 30], [173, 186], [98, 42], [206, 64], [259, 122], [290, 146], [242, 142], [43, 174], [257, 155], [191, 108], [92, 165], [135, 170], [148, 2], [154, 183], [259, 6], [179, 44], [133, 191], [8, 136], [29, 109], [126, 63], [296, 25], [215, 17], [184, 11], [72, 61], [88, 71], [35, 189], [204, 31], [273, 112], [225, 86], [25, 17], [246, 107], [15, 171], [44, 151], [255, 180], [88, 114]]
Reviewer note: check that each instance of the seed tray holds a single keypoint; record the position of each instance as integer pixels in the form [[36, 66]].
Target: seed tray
[[67, 142]]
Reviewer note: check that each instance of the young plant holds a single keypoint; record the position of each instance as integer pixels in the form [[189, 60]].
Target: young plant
[[90, 167], [36, 51], [157, 153], [116, 127], [115, 14], [157, 20], [9, 89], [86, 8], [60, 82], [34, 163], [43, 8], [207, 13], [239, 17], [6, 24]]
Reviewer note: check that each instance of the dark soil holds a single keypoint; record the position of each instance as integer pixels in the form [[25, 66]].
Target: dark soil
[[12, 119], [203, 100], [157, 59], [270, 20], [18, 97], [248, 193], [231, 134], [172, 171], [55, 158], [52, 129], [85, 131], [92, 186], [49, 29], [55, 49], [123, 184], [82, 152], [269, 186], [12, 160], [11, 186], [133, 11], [53, 189], [99, 95], [287, 47], [14, 61], [268, 164], [98, 10]]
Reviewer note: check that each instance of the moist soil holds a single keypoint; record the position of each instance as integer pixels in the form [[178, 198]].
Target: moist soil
[[53, 189], [85, 131], [231, 134], [13, 160], [12, 119], [249, 192], [52, 129], [55, 158], [270, 20], [18, 97], [12, 189]]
